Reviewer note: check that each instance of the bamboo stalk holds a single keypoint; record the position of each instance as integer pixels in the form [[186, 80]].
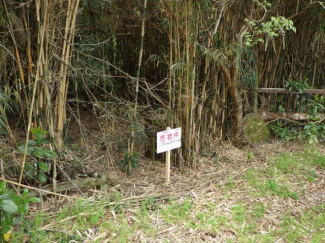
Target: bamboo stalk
[[170, 64], [37, 77], [143, 21], [2, 170], [187, 91], [66, 52]]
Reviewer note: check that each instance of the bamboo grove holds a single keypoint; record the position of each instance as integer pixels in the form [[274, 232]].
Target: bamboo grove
[[145, 65]]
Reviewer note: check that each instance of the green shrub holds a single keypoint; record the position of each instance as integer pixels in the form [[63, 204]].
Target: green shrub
[[13, 208], [42, 154], [312, 132], [129, 162]]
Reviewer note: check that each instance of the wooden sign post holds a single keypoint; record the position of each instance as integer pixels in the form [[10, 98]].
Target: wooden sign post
[[166, 141], [168, 163]]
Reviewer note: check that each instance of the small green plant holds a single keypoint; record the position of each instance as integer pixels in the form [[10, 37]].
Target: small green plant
[[216, 160], [148, 204], [42, 154], [238, 213], [315, 105], [13, 208], [129, 162], [280, 190], [317, 158], [259, 211], [284, 131], [313, 132], [297, 86], [311, 176], [177, 212], [250, 157]]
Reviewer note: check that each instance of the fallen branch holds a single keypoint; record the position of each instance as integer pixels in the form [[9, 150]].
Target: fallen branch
[[63, 186], [74, 184], [40, 191]]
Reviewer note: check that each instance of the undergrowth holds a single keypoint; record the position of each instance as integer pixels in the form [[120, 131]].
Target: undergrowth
[[227, 217]]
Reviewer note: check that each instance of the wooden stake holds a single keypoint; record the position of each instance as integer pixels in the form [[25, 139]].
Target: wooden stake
[[168, 164]]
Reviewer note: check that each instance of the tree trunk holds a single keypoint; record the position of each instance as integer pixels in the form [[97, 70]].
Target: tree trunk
[[231, 76]]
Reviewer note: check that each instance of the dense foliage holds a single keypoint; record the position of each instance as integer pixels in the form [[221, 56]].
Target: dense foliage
[[146, 65]]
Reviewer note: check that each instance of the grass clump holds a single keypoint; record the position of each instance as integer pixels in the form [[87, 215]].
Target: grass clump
[[281, 175], [307, 226], [177, 212]]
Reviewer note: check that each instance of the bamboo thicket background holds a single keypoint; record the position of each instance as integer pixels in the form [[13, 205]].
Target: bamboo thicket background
[[149, 64]]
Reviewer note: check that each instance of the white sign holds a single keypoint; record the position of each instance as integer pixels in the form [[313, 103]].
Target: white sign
[[168, 140]]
